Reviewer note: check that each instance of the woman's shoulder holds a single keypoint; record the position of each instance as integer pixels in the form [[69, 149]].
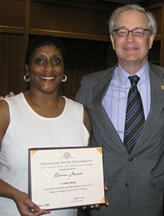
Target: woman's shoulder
[[14, 100], [72, 102], [15, 97], [3, 107], [74, 107], [4, 116]]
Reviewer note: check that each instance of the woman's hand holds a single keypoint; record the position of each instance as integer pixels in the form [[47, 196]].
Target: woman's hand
[[24, 204]]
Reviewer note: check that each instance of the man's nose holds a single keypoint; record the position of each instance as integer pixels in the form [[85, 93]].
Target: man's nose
[[130, 36]]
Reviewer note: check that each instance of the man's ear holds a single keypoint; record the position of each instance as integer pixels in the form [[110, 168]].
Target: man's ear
[[151, 39], [112, 41]]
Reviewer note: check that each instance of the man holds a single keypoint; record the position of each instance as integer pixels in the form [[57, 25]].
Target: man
[[134, 172]]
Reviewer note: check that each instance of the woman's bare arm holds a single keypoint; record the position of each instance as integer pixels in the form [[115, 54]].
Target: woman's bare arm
[[21, 199]]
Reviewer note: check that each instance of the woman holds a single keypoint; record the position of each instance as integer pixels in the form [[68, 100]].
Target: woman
[[37, 118]]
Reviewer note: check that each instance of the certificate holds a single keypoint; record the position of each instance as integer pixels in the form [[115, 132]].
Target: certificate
[[66, 177]]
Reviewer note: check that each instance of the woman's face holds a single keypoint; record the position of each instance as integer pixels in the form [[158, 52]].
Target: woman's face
[[46, 69]]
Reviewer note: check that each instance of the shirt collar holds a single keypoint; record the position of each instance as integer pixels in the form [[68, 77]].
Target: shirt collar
[[143, 73]]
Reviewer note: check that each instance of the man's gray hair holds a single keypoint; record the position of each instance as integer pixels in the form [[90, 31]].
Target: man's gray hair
[[151, 23]]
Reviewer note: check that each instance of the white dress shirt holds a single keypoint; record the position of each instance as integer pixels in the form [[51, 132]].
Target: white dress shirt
[[115, 99]]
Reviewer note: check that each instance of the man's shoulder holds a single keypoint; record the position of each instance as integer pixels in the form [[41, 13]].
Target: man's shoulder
[[99, 75], [157, 69]]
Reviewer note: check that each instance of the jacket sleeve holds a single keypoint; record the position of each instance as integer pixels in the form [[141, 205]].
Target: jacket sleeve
[[80, 96]]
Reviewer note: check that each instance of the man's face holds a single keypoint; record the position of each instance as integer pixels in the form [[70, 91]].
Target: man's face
[[132, 51]]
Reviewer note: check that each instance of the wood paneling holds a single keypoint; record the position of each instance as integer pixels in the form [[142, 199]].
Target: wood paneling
[[90, 4], [154, 53], [84, 57], [68, 19], [157, 12], [11, 63], [81, 25], [157, 52], [12, 13]]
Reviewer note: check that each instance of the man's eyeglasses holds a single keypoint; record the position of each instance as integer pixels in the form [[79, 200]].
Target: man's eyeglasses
[[121, 32]]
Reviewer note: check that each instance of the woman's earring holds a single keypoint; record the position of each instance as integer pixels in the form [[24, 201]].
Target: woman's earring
[[65, 78], [26, 78]]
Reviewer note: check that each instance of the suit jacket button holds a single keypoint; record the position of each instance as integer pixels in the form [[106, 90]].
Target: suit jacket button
[[127, 185], [130, 159]]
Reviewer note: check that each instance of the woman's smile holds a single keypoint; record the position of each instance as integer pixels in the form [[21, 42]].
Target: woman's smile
[[48, 77]]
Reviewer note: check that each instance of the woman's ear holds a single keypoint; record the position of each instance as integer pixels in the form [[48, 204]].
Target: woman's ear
[[27, 69]]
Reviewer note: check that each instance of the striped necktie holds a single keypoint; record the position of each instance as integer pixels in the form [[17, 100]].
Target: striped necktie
[[134, 115]]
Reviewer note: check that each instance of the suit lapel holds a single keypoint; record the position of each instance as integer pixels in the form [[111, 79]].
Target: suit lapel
[[104, 122], [156, 106]]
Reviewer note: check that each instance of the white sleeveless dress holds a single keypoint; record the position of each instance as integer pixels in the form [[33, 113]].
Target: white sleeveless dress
[[27, 130]]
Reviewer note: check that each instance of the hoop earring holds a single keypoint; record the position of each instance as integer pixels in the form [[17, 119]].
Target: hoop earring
[[65, 78], [26, 78]]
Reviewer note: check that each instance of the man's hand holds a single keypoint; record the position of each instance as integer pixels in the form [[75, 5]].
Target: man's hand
[[11, 94], [106, 200]]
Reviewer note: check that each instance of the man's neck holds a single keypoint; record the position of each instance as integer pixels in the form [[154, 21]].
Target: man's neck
[[132, 68]]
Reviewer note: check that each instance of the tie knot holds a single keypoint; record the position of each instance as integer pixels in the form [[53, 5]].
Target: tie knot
[[134, 80]]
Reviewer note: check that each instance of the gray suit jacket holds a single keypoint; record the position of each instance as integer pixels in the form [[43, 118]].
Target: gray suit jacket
[[135, 181]]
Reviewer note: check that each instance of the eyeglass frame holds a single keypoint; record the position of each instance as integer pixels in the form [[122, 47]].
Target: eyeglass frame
[[128, 31]]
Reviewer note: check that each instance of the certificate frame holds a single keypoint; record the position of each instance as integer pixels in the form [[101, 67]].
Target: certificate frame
[[62, 178]]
